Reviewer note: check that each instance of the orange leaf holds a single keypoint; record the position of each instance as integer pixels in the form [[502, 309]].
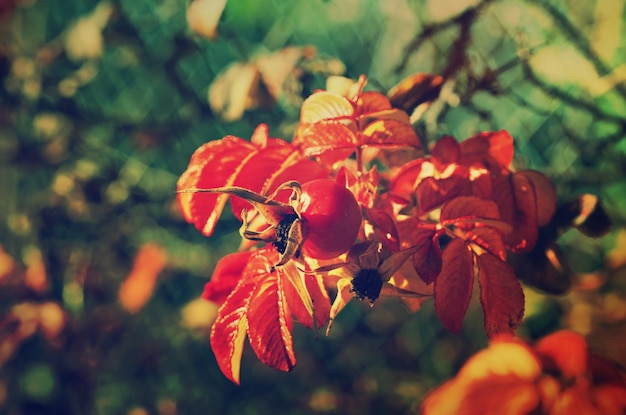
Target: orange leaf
[[317, 295], [574, 400], [269, 320], [565, 351], [7, 263], [137, 288], [494, 150], [497, 380], [505, 356], [228, 333], [330, 122], [495, 396], [35, 276]]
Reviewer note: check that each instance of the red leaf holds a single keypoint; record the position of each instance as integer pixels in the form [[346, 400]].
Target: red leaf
[[488, 239], [384, 228], [427, 260], [403, 181], [228, 333], [269, 320], [259, 169], [370, 101], [304, 170], [482, 186], [501, 295], [468, 207], [231, 161], [226, 276], [315, 139], [445, 151], [494, 150], [255, 307], [545, 194], [453, 287], [214, 164], [389, 133], [517, 203], [432, 192]]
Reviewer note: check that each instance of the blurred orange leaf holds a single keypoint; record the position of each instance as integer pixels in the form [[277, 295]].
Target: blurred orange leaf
[[137, 288], [554, 377]]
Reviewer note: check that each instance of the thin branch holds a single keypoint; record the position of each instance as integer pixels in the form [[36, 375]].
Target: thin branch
[[464, 19], [530, 75], [573, 34]]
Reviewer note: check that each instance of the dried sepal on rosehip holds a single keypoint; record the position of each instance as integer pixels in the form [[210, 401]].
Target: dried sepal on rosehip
[[370, 266], [366, 274], [321, 218]]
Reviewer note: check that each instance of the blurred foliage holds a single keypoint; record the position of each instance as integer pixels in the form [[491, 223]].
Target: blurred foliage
[[104, 103]]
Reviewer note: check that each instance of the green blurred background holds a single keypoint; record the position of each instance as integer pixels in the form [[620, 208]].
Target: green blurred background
[[102, 105]]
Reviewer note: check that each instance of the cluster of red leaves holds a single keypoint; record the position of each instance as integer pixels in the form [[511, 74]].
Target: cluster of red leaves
[[556, 376], [434, 221], [464, 209]]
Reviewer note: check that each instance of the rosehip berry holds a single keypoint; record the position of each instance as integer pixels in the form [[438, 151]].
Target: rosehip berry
[[331, 216]]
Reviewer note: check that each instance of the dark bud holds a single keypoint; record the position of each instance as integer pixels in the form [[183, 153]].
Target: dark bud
[[367, 284]]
